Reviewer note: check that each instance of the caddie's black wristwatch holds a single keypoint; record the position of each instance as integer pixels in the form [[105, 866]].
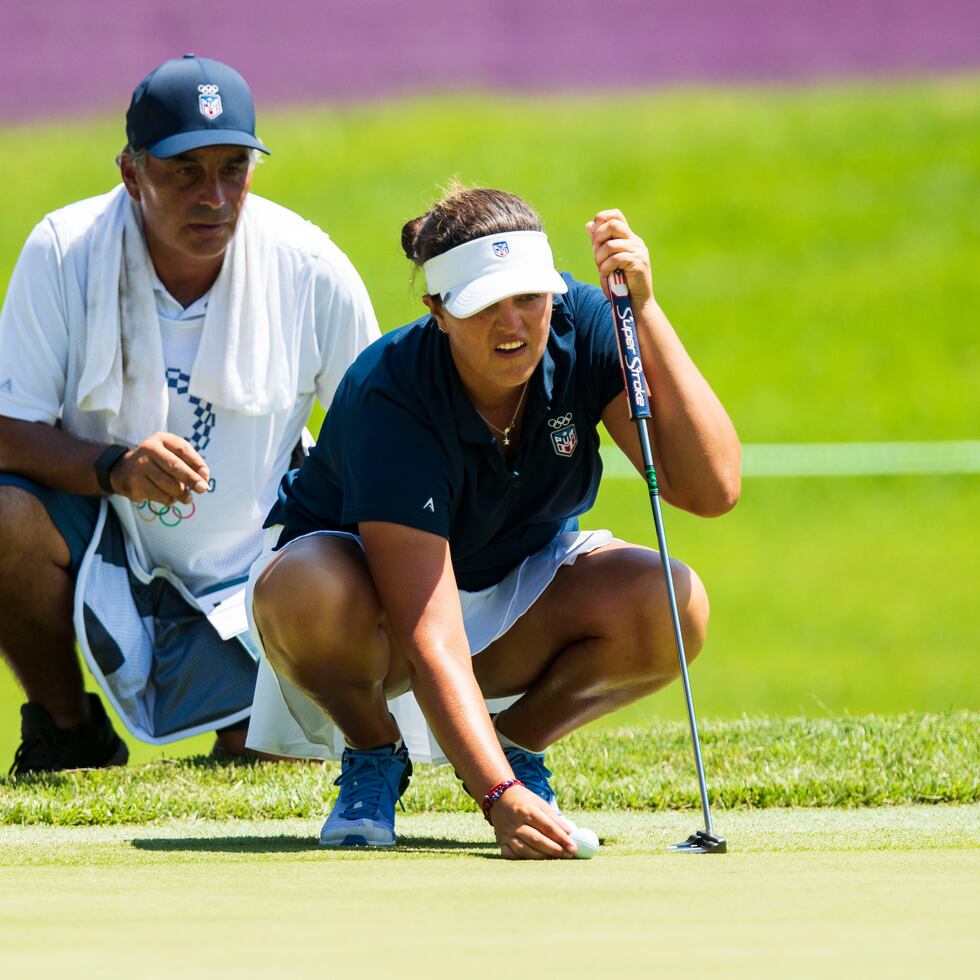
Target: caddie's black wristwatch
[[104, 464]]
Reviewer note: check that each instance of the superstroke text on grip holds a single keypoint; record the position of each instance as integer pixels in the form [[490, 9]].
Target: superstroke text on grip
[[629, 348]]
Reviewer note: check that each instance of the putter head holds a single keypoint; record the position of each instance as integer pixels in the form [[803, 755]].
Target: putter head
[[701, 842]]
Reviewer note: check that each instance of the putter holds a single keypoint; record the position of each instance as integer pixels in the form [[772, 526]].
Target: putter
[[702, 841]]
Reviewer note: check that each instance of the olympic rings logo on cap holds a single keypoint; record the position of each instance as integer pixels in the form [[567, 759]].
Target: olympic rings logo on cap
[[561, 421], [171, 516], [208, 89]]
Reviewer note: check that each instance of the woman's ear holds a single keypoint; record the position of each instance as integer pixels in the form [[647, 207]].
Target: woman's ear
[[435, 308]]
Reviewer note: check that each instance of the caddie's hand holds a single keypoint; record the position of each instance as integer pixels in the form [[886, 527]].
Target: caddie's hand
[[163, 468], [615, 246], [528, 829]]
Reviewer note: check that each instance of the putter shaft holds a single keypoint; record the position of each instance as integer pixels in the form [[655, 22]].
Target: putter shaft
[[637, 396], [651, 474]]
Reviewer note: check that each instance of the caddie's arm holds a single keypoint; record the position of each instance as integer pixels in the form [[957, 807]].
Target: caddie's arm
[[34, 351], [695, 446], [413, 574], [163, 468]]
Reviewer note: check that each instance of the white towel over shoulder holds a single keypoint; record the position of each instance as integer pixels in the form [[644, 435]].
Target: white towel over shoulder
[[242, 363]]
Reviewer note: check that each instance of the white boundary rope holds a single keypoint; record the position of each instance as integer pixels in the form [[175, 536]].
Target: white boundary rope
[[837, 459]]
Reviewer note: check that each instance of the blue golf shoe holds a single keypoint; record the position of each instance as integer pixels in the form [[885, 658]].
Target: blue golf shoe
[[371, 782], [530, 769]]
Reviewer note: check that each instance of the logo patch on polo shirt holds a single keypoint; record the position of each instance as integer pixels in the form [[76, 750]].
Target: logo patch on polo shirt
[[501, 250], [564, 438], [429, 505]]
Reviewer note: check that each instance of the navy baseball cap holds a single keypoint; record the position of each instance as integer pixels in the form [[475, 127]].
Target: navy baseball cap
[[191, 102]]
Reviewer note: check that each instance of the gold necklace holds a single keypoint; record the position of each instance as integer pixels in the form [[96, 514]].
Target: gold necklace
[[505, 432]]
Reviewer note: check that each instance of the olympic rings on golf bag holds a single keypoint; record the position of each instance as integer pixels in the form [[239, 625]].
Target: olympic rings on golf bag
[[171, 516]]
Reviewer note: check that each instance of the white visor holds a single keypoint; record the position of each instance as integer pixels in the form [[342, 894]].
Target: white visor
[[477, 274]]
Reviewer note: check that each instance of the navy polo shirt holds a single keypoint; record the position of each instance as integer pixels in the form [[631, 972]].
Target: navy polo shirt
[[402, 443]]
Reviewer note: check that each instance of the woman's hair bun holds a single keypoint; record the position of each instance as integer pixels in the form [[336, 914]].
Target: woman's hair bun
[[410, 234]]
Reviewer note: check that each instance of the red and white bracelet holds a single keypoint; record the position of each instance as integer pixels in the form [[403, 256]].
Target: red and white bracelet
[[491, 797]]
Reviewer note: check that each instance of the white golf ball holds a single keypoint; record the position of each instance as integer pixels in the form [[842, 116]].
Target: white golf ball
[[586, 842]]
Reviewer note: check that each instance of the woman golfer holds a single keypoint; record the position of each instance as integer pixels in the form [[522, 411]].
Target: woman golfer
[[430, 541]]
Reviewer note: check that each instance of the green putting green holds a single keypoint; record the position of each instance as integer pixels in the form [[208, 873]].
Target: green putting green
[[803, 893]]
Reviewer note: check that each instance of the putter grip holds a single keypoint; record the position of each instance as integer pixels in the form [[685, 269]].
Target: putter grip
[[629, 347]]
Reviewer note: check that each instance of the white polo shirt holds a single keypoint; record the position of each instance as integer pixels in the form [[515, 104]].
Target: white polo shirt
[[42, 327]]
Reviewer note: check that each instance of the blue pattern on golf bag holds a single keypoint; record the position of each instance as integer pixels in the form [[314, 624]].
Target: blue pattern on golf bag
[[162, 664]]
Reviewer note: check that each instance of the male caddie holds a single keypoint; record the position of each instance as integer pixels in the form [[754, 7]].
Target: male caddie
[[160, 350]]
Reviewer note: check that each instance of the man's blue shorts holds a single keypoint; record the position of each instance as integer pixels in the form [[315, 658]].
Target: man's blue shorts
[[73, 515]]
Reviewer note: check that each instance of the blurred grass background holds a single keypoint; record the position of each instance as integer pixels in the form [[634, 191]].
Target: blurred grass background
[[816, 248]]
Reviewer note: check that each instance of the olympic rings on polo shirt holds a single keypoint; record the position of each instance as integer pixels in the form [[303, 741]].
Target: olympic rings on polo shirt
[[171, 516], [561, 421]]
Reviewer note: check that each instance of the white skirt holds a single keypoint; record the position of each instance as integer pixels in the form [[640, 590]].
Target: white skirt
[[286, 722]]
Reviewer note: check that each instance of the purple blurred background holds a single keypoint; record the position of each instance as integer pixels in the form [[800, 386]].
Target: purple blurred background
[[62, 57]]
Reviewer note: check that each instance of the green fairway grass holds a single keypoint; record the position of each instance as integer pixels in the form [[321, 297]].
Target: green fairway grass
[[828, 596], [886, 893], [872, 761], [817, 250]]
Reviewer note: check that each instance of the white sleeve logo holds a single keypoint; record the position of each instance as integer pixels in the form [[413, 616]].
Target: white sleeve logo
[[429, 505]]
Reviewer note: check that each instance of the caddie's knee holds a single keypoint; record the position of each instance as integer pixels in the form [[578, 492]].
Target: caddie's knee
[[28, 536]]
